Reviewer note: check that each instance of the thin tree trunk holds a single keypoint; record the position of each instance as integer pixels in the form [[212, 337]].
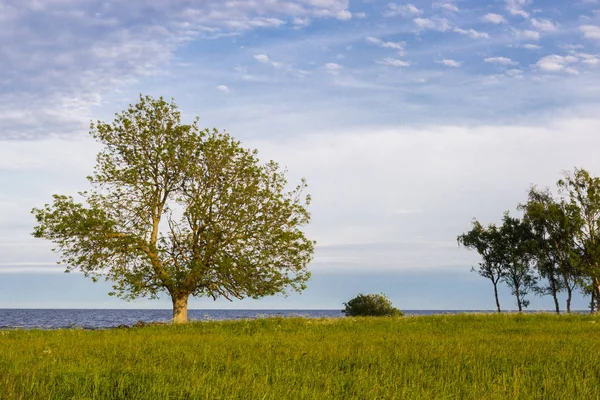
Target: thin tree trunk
[[180, 304], [555, 295], [569, 297], [496, 296], [597, 297], [593, 301], [518, 294]]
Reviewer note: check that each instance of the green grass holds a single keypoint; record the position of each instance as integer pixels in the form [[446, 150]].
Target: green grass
[[435, 357]]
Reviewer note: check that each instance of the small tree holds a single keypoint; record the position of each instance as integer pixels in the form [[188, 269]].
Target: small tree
[[518, 249], [181, 210], [487, 241], [582, 190], [556, 225], [373, 305]]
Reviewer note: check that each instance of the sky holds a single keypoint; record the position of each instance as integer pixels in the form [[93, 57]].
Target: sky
[[407, 119]]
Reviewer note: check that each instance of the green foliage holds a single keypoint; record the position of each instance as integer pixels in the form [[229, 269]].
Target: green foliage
[[518, 249], [180, 210], [439, 357], [506, 253], [557, 242], [555, 224], [374, 305], [487, 241], [582, 190]]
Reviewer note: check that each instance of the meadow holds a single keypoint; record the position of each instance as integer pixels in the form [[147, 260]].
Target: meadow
[[506, 356]]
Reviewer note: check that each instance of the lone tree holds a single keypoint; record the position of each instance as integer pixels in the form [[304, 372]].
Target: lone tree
[[487, 241], [180, 210]]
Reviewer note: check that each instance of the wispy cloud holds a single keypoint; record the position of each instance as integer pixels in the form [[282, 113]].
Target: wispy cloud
[[516, 7], [500, 60], [399, 46], [472, 33], [447, 6], [590, 31], [556, 63], [544, 25], [436, 24], [528, 34], [333, 68], [405, 10], [494, 18], [450, 63], [393, 62]]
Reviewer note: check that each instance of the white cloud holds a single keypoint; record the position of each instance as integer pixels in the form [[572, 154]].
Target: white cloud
[[515, 7], [263, 58], [223, 88], [590, 31], [528, 35], [437, 24], [515, 73], [448, 6], [494, 18], [500, 60], [405, 10], [544, 25], [450, 63], [344, 15], [589, 59], [472, 33], [87, 51], [531, 46], [359, 181], [333, 68], [393, 62], [301, 22], [556, 63], [257, 22], [388, 45]]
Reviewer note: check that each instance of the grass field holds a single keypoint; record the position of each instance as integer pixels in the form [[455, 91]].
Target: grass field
[[432, 357]]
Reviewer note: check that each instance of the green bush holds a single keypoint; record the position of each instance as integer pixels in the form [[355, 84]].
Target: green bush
[[374, 305]]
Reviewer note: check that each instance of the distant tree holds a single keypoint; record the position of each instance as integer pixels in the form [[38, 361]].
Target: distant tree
[[555, 224], [487, 241], [180, 210], [518, 246], [583, 193], [374, 305]]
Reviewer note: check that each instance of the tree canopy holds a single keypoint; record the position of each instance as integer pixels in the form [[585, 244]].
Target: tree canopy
[[555, 247], [179, 210]]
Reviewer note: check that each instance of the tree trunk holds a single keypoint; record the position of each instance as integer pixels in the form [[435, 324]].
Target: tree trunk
[[180, 304], [597, 290], [496, 295], [569, 297], [518, 294], [593, 301], [556, 305]]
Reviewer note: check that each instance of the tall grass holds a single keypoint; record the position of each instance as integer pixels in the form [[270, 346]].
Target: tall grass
[[433, 357]]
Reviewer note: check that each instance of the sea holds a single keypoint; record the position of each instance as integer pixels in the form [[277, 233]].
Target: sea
[[111, 318]]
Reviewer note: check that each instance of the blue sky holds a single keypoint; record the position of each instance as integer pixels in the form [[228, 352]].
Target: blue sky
[[407, 118]]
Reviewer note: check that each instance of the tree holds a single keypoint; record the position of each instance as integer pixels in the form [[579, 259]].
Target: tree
[[371, 305], [518, 246], [555, 224], [488, 243], [180, 210], [583, 193]]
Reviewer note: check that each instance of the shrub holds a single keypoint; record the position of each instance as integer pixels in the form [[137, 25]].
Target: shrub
[[375, 305]]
